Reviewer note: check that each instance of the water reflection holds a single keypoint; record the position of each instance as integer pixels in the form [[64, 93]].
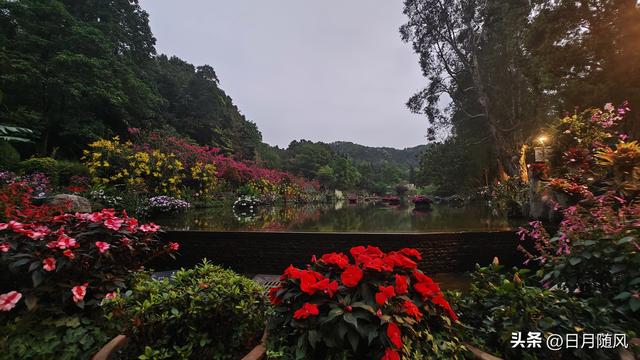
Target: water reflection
[[342, 217]]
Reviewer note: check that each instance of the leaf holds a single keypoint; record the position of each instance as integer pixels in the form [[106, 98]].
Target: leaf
[[314, 338], [617, 268], [349, 318], [622, 296], [31, 301], [354, 340], [574, 260], [634, 304], [37, 278], [625, 240]]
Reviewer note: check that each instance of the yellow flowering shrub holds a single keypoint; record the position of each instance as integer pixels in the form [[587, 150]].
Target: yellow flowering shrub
[[203, 179], [112, 162]]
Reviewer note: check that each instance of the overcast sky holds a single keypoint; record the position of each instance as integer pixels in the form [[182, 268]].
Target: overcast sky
[[317, 70]]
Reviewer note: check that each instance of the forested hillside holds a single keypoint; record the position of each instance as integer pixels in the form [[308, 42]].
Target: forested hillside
[[76, 71], [404, 158]]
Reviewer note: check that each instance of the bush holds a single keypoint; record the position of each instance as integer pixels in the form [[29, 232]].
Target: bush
[[54, 335], [9, 156], [74, 258], [202, 313], [45, 165], [67, 170], [377, 306], [501, 303]]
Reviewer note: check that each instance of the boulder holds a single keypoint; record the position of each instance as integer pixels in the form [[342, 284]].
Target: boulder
[[76, 203]]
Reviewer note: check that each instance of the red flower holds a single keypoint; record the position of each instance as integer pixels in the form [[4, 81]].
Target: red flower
[[110, 296], [393, 333], [402, 287], [9, 300], [63, 242], [79, 292], [113, 223], [412, 310], [273, 295], [102, 246], [150, 227], [396, 259], [308, 280], [68, 253], [338, 259], [441, 301], [173, 246], [4, 226], [427, 290], [385, 292], [390, 354], [125, 241], [5, 247], [291, 272], [306, 311], [412, 253], [351, 276], [49, 264], [326, 286]]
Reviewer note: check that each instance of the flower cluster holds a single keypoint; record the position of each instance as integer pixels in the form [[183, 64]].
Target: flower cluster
[[166, 204], [15, 204], [94, 251], [421, 200], [570, 188], [539, 170], [377, 297], [38, 182], [169, 164]]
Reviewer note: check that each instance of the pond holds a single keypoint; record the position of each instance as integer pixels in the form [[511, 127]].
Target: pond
[[343, 217]]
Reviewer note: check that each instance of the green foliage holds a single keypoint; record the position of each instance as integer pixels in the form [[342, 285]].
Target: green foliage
[[9, 156], [202, 313], [54, 335], [502, 302], [8, 133], [45, 165], [510, 196], [68, 169]]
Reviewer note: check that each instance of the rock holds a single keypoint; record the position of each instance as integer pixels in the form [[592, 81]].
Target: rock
[[76, 203]]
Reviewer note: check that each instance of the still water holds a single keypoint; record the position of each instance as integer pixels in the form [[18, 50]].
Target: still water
[[342, 217]]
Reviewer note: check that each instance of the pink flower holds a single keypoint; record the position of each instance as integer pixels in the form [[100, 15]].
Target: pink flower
[[113, 223], [150, 227], [4, 226], [63, 242], [9, 300], [79, 292], [49, 264], [68, 253], [111, 295], [125, 241], [174, 246], [102, 246], [4, 247]]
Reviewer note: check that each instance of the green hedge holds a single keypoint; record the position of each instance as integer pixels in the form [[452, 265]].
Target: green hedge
[[203, 313], [67, 169], [45, 165]]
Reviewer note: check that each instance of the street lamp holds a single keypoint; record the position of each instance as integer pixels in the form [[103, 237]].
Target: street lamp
[[539, 151]]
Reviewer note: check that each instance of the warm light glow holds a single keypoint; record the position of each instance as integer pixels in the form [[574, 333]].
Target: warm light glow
[[542, 139]]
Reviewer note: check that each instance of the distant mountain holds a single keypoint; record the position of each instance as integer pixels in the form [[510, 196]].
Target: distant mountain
[[406, 157]]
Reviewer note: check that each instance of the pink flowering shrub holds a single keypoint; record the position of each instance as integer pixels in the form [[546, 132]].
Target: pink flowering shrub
[[74, 258], [596, 251], [370, 305]]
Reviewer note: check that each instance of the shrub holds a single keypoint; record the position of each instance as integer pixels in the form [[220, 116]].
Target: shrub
[[53, 335], [164, 204], [9, 156], [74, 258], [500, 303], [45, 165], [202, 313], [68, 170], [374, 305], [595, 252]]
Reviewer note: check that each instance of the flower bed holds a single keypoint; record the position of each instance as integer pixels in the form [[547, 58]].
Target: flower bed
[[371, 304]]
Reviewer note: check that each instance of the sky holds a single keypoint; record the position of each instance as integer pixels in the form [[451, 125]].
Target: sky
[[332, 70]]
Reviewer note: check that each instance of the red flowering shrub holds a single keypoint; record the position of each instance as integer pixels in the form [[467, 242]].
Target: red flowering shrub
[[372, 305], [78, 258], [15, 204]]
